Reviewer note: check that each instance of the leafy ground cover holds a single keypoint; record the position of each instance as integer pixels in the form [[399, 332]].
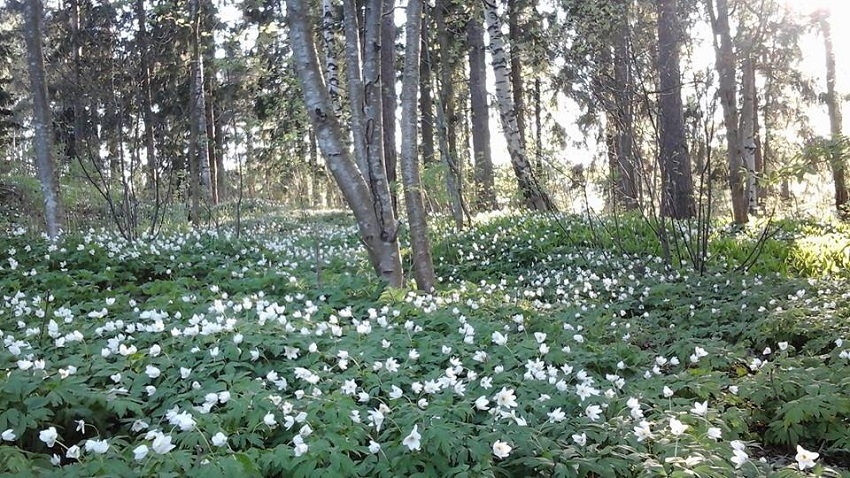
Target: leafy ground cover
[[543, 353]]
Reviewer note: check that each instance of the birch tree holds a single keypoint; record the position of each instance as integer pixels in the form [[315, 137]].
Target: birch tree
[[485, 199], [748, 132], [201, 181], [423, 266], [42, 123], [371, 206], [534, 196]]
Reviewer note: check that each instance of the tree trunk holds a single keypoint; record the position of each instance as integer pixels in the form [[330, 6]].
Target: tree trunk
[[379, 235], [76, 149], [42, 123], [628, 180], [535, 198], [725, 64], [445, 113], [677, 199], [147, 101], [356, 96], [748, 132], [198, 128], [208, 23], [388, 96], [484, 182], [426, 102], [329, 29], [423, 265], [515, 29], [837, 161]]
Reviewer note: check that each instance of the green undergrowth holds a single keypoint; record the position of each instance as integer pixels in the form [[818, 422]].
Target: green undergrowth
[[550, 348]]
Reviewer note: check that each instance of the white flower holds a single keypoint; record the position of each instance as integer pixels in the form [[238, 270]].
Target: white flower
[[162, 444], [140, 452], [152, 372], [805, 458], [374, 447], [269, 419], [55, 460], [223, 397], [219, 439], [482, 403], [700, 409], [783, 346], [733, 389], [714, 433], [139, 425], [580, 440], [48, 436], [642, 431], [411, 441], [9, 435], [349, 387], [739, 457], [501, 449], [593, 412], [73, 452], [667, 392], [300, 447], [498, 338], [376, 418], [506, 398], [557, 415], [677, 427], [396, 393], [97, 446], [155, 350]]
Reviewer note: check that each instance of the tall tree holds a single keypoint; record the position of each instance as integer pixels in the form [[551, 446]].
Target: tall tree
[[533, 194], [484, 183], [143, 39], [389, 102], [446, 133], [718, 12], [677, 199], [626, 171], [423, 265], [426, 101], [748, 131], [516, 28], [372, 207], [837, 161], [199, 153], [33, 12]]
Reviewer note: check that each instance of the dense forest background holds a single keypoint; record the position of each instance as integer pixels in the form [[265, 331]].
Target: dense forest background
[[161, 110]]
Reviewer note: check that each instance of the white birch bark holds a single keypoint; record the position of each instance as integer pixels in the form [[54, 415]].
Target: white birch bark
[[199, 108], [382, 248], [329, 27], [43, 141], [356, 95], [535, 198]]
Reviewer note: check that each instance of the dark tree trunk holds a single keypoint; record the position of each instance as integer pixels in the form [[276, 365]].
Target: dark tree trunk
[[426, 101], [677, 199], [388, 96], [836, 161], [515, 29], [484, 182]]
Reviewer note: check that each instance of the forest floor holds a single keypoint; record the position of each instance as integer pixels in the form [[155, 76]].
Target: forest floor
[[553, 346]]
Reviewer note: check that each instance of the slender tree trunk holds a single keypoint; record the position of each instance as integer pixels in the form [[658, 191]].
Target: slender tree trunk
[[538, 131], [748, 132], [426, 102], [199, 149], [837, 161], [677, 199], [423, 265], [628, 181], [388, 95], [445, 113], [208, 23], [356, 96], [725, 61], [329, 30], [76, 149], [42, 122], [378, 235], [484, 182], [515, 29], [535, 198], [147, 101]]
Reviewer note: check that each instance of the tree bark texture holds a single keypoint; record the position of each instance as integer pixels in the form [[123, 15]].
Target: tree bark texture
[[748, 132], [535, 198], [445, 111], [42, 123], [484, 180], [198, 127], [379, 237], [677, 199], [147, 100], [837, 161], [423, 264], [628, 178], [356, 95], [426, 102], [389, 102], [515, 29], [329, 34], [725, 64]]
